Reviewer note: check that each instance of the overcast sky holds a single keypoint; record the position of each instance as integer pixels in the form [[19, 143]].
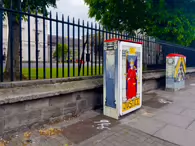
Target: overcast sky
[[72, 8]]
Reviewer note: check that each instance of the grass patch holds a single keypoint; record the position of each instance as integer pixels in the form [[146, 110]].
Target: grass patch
[[86, 72]]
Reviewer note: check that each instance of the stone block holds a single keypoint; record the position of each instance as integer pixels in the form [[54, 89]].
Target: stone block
[[70, 108], [14, 108], [1, 125], [70, 105], [34, 116], [149, 84], [90, 97], [82, 105], [37, 104], [2, 111], [78, 95], [61, 100], [69, 111], [15, 121], [51, 112]]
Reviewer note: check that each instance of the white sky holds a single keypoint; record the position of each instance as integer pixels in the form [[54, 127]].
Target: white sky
[[72, 8]]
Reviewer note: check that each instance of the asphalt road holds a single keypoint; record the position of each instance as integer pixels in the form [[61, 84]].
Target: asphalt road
[[47, 65]]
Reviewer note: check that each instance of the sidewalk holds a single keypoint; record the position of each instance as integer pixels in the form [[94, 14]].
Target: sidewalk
[[83, 131], [174, 122], [166, 119]]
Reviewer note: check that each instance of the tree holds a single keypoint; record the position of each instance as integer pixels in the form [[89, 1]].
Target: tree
[[118, 14], [170, 20], [62, 52], [33, 6], [173, 21]]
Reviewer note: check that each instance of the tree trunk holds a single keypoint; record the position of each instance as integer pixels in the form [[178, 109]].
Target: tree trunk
[[13, 49], [13, 54]]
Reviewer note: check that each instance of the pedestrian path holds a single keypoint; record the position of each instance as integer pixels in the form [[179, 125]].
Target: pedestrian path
[[166, 119], [175, 121], [86, 132]]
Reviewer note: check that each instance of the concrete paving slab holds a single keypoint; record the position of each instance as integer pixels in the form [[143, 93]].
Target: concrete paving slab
[[189, 113], [145, 124], [192, 127], [177, 135], [173, 119], [173, 109]]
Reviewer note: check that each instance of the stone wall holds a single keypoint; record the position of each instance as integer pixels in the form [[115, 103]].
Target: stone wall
[[35, 102], [27, 113]]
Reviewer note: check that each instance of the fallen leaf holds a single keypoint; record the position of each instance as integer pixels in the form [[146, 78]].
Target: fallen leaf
[[4, 143], [50, 132], [27, 135]]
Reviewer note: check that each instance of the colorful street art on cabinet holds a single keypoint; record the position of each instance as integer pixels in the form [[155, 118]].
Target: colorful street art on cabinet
[[131, 80], [175, 71], [180, 69]]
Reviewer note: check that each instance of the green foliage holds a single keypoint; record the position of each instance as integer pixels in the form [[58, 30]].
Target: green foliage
[[61, 51], [33, 5], [118, 14], [170, 20]]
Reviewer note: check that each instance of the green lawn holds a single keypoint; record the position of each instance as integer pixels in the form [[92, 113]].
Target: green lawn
[[25, 72]]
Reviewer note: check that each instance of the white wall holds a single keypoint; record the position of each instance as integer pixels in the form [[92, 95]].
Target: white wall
[[25, 43]]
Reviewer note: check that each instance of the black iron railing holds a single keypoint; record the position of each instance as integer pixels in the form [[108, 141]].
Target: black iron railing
[[52, 47]]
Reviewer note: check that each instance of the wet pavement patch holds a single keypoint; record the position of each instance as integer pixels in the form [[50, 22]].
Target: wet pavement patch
[[86, 129], [156, 102]]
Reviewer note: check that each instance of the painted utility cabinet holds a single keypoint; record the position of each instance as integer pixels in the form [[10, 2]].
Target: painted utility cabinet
[[122, 77], [175, 72]]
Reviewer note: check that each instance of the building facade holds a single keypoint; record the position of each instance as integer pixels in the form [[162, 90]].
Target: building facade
[[52, 44], [25, 47]]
